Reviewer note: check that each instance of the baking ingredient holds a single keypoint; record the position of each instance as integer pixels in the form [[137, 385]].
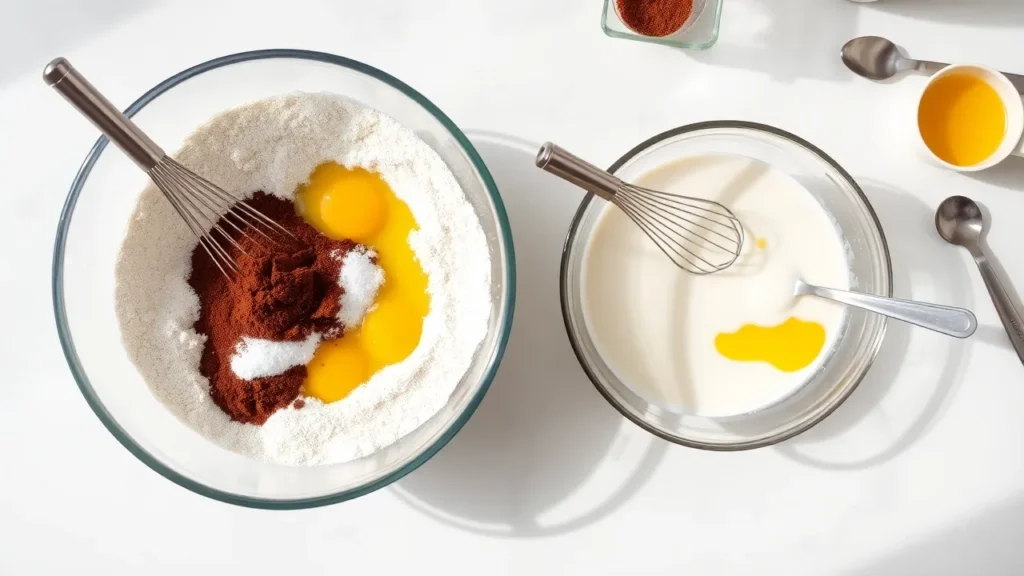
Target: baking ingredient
[[339, 202], [654, 17], [656, 326], [962, 119], [360, 279], [790, 346], [259, 358], [282, 292], [274, 145]]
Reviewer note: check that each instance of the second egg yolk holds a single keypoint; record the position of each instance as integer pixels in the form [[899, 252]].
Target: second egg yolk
[[357, 204]]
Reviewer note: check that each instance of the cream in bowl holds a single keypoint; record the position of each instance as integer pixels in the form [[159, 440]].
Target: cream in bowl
[[726, 343], [729, 360]]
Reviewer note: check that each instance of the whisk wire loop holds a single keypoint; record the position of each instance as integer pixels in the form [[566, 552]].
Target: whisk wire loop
[[698, 235], [200, 203]]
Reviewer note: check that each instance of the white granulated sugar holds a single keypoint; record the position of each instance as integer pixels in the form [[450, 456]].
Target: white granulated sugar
[[273, 145], [360, 279], [259, 358]]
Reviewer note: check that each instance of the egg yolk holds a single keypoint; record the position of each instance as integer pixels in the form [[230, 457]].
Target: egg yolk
[[790, 346], [338, 367], [357, 204]]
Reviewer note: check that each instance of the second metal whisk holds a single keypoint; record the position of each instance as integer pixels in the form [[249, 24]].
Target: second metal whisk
[[699, 236], [199, 202]]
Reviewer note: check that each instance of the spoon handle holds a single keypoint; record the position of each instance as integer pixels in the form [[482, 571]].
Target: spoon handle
[[927, 66], [1008, 315], [947, 320]]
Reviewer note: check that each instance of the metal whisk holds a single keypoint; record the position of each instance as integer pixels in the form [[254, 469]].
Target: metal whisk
[[199, 202], [699, 236]]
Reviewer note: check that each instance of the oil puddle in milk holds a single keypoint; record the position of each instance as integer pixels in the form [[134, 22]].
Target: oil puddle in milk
[[790, 346]]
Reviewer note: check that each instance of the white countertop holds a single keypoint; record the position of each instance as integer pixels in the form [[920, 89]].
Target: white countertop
[[920, 472]]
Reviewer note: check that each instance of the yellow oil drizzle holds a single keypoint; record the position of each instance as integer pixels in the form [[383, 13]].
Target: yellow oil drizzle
[[790, 346]]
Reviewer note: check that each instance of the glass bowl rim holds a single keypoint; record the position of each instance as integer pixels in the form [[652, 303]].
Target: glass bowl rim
[[64, 331], [564, 298]]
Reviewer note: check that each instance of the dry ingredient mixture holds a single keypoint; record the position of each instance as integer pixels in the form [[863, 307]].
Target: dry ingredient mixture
[[654, 17], [283, 293], [273, 146]]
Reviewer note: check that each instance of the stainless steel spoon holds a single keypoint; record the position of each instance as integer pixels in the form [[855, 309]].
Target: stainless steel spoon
[[948, 320], [959, 221], [878, 58]]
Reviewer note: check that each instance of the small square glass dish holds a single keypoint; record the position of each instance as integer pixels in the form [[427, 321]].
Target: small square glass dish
[[699, 32]]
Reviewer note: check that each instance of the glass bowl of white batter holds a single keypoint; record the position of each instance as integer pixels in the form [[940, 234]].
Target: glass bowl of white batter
[[92, 224], [648, 334]]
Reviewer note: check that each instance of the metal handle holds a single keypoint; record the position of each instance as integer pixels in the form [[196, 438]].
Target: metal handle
[[1009, 316], [567, 166], [63, 78], [948, 320]]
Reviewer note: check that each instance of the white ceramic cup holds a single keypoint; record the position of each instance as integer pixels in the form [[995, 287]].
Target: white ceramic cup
[[1013, 137]]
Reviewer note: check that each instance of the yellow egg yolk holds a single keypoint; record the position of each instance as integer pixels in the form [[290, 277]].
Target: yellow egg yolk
[[790, 346], [357, 204]]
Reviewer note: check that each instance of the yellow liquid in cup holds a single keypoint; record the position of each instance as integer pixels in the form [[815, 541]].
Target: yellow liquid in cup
[[962, 119]]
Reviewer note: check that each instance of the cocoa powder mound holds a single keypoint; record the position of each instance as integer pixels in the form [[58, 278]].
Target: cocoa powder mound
[[282, 292]]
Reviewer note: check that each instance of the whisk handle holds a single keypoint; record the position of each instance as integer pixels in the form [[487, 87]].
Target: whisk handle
[[567, 166], [63, 78]]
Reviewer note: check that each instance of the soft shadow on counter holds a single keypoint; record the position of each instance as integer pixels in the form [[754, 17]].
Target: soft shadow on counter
[[66, 23], [1003, 13], [1007, 174], [785, 39], [529, 463], [987, 543], [916, 252]]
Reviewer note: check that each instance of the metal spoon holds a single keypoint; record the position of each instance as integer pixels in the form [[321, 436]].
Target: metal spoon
[[948, 320], [878, 58], [959, 221]]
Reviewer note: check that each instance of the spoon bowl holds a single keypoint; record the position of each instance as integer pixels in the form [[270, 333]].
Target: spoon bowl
[[873, 57], [959, 221]]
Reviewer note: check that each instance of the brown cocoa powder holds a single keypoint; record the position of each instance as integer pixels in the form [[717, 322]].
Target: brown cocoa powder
[[654, 17], [282, 292]]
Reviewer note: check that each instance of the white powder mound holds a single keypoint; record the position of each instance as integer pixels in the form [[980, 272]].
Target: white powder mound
[[273, 145], [259, 358], [360, 279]]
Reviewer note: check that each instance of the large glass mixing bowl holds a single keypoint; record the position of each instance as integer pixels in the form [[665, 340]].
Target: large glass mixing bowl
[[860, 336], [91, 226]]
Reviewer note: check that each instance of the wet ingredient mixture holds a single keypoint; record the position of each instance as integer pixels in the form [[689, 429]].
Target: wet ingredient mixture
[[731, 342]]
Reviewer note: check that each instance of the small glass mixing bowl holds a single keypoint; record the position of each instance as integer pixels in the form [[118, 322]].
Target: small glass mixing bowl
[[91, 227], [860, 336]]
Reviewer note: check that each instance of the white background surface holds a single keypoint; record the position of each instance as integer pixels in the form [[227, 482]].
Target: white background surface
[[920, 472]]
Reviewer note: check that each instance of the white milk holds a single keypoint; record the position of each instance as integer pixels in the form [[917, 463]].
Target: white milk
[[655, 325]]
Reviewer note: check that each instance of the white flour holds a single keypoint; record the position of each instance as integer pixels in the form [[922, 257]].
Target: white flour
[[273, 145]]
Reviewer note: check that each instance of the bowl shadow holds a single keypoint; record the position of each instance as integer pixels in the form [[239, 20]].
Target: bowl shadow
[[995, 13], [921, 258], [777, 34], [542, 432]]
